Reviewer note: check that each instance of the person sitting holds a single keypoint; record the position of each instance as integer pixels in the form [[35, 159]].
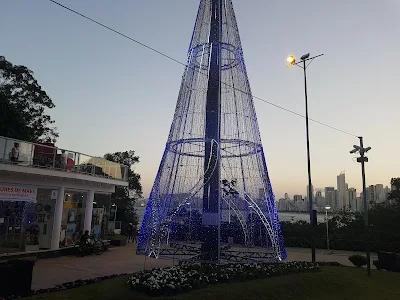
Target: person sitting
[[85, 238]]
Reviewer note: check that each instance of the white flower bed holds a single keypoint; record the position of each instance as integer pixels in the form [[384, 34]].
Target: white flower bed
[[178, 279]]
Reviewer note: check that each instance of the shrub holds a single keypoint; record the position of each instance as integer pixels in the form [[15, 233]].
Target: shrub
[[358, 260], [184, 278], [329, 264]]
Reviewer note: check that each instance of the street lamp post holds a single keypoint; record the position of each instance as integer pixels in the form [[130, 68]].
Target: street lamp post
[[327, 207], [304, 63], [115, 217], [363, 159]]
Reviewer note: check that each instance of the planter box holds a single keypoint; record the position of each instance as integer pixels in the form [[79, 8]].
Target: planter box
[[389, 261], [16, 278]]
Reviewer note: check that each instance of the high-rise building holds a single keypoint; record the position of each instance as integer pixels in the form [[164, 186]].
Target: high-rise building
[[360, 203], [330, 197], [301, 205], [370, 191], [286, 196], [342, 188], [321, 201], [297, 198], [352, 199], [386, 191], [379, 193]]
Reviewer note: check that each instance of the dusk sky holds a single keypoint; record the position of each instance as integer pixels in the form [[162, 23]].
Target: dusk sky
[[114, 95]]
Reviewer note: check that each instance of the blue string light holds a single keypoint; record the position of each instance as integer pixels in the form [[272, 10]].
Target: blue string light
[[179, 221]]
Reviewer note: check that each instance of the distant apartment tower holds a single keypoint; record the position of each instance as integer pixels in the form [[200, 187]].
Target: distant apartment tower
[[321, 201], [330, 197], [353, 200], [360, 203], [386, 191], [342, 188], [297, 198], [379, 193], [286, 196], [286, 205], [370, 191]]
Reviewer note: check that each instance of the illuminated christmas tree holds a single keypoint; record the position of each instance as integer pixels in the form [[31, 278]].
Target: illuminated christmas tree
[[212, 199]]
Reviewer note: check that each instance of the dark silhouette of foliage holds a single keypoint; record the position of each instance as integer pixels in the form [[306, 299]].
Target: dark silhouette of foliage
[[125, 197], [394, 194], [347, 230], [22, 105], [358, 260]]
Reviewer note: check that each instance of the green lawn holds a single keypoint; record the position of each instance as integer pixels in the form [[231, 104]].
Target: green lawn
[[329, 283]]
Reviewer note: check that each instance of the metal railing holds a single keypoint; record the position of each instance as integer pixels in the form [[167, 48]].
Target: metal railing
[[47, 155]]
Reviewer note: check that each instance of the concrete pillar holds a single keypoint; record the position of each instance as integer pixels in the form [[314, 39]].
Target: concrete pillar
[[58, 210], [89, 211]]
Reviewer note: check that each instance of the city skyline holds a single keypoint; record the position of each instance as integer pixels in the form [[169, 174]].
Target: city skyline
[[342, 197], [322, 189], [113, 95]]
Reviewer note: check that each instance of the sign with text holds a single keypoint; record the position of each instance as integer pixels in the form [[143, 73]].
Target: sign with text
[[17, 193]]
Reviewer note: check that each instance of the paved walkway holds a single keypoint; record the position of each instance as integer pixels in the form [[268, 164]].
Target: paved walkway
[[304, 254], [51, 272]]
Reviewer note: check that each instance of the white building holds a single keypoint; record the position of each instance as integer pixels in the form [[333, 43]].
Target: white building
[[379, 194], [297, 198], [47, 197], [301, 205], [284, 205]]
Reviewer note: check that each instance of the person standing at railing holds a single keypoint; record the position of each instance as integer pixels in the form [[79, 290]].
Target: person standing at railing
[[64, 159], [14, 154]]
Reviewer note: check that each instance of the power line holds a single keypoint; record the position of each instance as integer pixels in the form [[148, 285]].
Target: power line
[[187, 66]]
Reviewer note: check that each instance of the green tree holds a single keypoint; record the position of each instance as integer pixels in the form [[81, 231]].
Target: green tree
[[22, 105], [125, 197], [394, 194]]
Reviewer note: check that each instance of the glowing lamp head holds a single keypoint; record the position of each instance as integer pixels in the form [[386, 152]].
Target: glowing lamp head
[[291, 60]]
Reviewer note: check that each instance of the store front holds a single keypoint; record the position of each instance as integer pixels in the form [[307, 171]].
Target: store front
[[28, 215]]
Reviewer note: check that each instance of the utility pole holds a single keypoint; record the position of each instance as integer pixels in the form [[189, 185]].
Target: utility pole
[[304, 62], [363, 159]]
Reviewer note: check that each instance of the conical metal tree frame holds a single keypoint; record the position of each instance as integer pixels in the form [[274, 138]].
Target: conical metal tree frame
[[212, 199]]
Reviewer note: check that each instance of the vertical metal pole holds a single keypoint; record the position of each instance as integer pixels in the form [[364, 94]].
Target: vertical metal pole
[[210, 248], [5, 149], [327, 230], [310, 195], [362, 159]]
